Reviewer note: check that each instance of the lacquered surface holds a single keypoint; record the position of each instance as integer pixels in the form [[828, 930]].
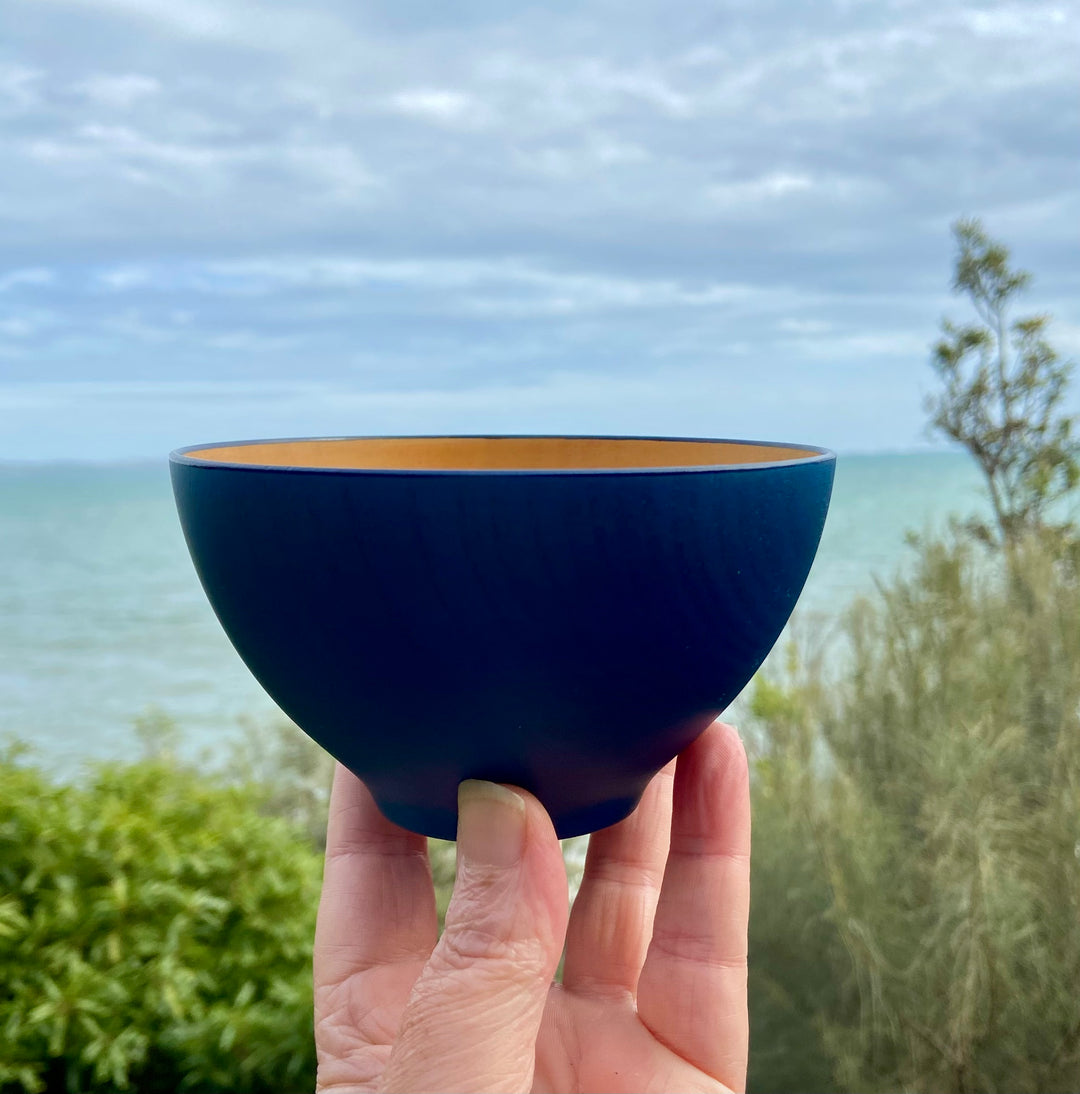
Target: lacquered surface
[[567, 632]]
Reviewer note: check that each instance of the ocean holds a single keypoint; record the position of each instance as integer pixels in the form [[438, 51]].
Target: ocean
[[103, 621]]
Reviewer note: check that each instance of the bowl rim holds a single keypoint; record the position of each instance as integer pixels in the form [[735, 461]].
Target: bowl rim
[[188, 456]]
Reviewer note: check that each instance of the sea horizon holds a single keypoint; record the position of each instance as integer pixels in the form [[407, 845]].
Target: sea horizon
[[929, 449]]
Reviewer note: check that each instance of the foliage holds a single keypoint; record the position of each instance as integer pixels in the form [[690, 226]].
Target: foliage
[[1003, 388], [925, 804], [917, 851], [155, 933], [795, 953]]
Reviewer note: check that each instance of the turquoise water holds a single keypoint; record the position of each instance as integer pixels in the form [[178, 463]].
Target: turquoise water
[[102, 618]]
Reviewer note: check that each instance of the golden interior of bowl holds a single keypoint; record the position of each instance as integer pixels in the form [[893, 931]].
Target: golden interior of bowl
[[498, 453]]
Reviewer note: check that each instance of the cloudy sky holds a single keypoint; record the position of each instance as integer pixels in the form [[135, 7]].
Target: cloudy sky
[[240, 218]]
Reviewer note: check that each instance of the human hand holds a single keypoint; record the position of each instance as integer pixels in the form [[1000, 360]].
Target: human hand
[[653, 996]]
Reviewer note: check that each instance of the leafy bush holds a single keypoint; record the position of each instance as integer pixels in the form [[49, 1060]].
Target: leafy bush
[[155, 932], [156, 919]]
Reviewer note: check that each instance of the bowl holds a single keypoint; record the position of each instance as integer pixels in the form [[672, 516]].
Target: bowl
[[560, 613]]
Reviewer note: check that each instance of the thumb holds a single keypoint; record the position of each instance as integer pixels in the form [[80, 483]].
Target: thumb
[[472, 1020]]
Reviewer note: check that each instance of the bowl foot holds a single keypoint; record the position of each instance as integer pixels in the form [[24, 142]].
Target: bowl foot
[[442, 823]]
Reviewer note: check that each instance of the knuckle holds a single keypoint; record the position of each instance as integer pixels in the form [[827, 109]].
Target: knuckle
[[486, 951]]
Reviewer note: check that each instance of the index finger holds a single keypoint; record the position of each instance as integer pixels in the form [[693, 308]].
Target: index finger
[[692, 991]]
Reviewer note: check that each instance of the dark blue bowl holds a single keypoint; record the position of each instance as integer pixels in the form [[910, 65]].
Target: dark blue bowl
[[561, 613]]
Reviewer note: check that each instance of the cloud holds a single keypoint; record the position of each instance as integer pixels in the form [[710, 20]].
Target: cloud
[[106, 144], [637, 84], [805, 326], [595, 155], [189, 168], [118, 91], [123, 278], [34, 276], [315, 31], [463, 276], [19, 87], [439, 106], [28, 323], [1065, 337], [197, 18], [777, 184], [1015, 20]]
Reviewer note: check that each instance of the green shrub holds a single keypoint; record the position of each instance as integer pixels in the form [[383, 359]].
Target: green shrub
[[155, 933], [156, 919]]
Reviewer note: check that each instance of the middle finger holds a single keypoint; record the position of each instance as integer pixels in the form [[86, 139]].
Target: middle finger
[[612, 918]]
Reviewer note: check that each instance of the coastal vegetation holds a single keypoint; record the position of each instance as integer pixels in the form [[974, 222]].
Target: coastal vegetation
[[916, 786], [917, 853], [155, 933], [917, 800]]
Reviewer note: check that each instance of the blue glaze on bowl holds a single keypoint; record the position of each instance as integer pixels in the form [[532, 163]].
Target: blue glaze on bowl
[[567, 631]]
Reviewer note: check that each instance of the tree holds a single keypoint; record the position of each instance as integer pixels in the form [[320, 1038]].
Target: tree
[[1003, 389]]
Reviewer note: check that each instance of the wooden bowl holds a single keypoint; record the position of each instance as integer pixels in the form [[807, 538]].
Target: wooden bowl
[[560, 613]]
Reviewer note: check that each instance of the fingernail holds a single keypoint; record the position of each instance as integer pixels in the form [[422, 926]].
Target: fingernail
[[491, 823]]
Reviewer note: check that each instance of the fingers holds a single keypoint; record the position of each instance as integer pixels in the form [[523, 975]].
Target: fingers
[[378, 901], [474, 1015], [612, 919], [376, 928], [692, 991]]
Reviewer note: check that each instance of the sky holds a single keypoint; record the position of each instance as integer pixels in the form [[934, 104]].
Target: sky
[[226, 219]]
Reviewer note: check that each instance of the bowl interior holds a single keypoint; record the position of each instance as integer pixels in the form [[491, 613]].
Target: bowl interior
[[500, 453]]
